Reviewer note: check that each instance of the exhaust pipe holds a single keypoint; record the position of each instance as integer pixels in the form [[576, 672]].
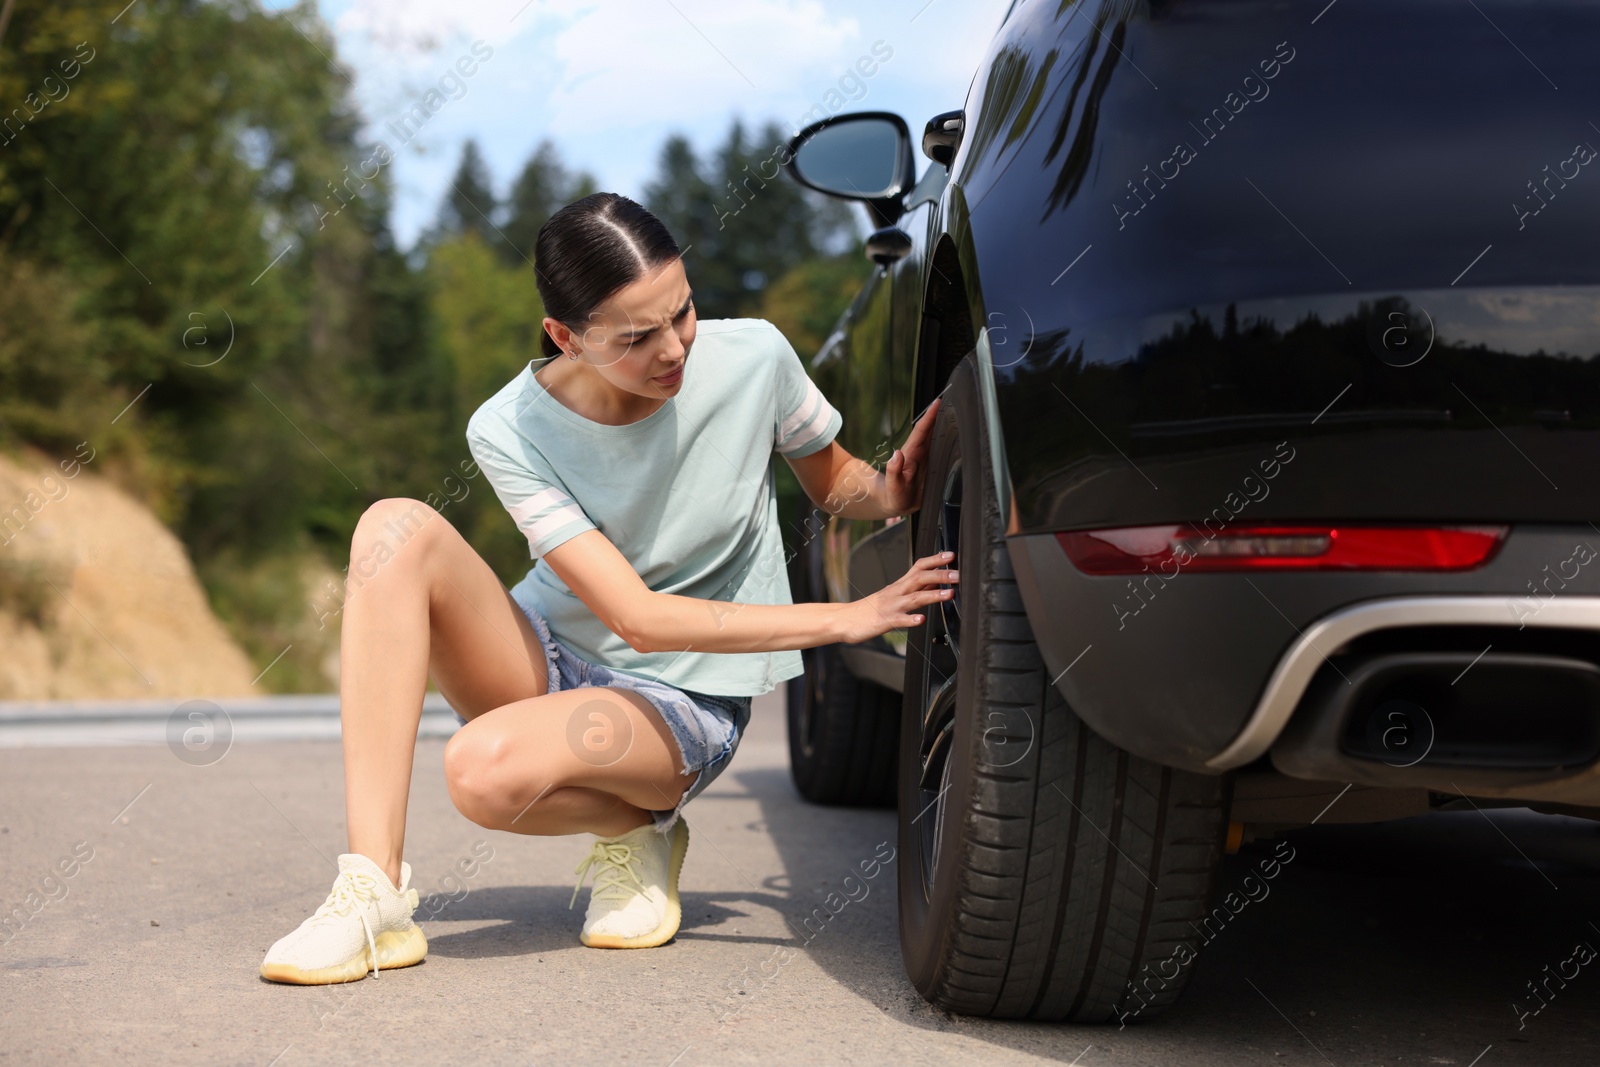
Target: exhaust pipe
[[1445, 720]]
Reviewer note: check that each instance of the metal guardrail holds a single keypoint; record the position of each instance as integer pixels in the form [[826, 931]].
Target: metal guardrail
[[194, 725]]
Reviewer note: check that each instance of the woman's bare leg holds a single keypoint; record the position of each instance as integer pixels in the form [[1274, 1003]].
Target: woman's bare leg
[[419, 599], [596, 759], [417, 596]]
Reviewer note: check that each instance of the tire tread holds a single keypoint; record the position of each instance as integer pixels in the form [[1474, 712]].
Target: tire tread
[[1081, 865]]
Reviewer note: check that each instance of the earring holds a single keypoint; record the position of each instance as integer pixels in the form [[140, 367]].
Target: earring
[[572, 355]]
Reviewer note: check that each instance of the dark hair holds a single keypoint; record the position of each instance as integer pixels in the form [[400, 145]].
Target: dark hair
[[590, 249]]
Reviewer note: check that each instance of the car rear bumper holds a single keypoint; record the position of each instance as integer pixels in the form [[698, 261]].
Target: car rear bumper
[[1211, 671]]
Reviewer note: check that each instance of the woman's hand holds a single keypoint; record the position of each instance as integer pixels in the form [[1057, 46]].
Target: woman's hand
[[894, 607], [903, 474]]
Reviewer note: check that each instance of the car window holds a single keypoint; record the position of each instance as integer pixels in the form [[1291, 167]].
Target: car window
[[929, 187], [1246, 160]]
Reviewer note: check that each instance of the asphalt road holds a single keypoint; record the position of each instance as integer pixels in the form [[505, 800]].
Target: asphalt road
[[1403, 943]]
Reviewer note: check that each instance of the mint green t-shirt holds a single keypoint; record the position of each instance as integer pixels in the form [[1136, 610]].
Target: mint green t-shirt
[[685, 494]]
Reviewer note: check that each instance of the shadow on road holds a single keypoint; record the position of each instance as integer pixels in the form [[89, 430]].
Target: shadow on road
[[535, 919], [1404, 941]]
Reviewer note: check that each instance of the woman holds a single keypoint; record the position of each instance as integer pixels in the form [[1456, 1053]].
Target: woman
[[612, 684]]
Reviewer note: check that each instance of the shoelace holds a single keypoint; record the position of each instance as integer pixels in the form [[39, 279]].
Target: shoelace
[[352, 890], [614, 867]]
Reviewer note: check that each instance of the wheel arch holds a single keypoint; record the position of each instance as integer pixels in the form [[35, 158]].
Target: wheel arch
[[952, 327], [952, 314]]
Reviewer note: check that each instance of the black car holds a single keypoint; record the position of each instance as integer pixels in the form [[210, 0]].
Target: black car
[[1269, 448]]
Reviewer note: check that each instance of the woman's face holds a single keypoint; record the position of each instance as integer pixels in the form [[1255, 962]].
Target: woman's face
[[639, 339]]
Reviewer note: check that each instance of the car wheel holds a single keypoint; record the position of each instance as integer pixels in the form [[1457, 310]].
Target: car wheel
[[843, 732], [1044, 872]]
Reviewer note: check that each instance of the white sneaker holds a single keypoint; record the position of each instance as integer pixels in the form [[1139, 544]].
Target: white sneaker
[[364, 924], [634, 903]]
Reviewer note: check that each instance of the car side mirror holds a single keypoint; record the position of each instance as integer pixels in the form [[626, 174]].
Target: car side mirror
[[942, 136], [888, 246], [865, 156]]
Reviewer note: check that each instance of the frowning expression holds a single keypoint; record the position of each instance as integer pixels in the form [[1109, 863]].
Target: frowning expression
[[638, 339]]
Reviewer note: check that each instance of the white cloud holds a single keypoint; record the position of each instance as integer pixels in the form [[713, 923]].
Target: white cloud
[[705, 57], [636, 62], [609, 80], [414, 31]]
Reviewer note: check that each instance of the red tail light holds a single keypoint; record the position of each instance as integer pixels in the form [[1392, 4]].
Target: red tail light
[[1136, 549]]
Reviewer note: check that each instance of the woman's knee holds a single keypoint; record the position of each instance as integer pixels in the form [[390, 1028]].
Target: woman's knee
[[487, 783], [472, 773], [392, 529]]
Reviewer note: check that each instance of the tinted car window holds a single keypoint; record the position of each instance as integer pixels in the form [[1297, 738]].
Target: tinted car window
[[1217, 222], [1387, 150]]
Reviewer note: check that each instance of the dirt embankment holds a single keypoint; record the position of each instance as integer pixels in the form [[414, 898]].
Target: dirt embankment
[[97, 598]]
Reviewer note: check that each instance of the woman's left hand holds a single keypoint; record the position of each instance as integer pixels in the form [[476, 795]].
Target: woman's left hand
[[902, 476]]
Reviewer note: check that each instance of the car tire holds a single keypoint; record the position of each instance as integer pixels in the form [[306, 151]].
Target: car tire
[[843, 732], [1043, 871]]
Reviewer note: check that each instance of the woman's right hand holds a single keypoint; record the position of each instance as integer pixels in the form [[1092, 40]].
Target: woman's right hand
[[895, 606]]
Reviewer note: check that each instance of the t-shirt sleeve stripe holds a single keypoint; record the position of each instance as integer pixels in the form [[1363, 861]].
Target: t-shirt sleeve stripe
[[805, 414], [537, 504], [545, 513], [804, 421], [553, 522], [811, 425]]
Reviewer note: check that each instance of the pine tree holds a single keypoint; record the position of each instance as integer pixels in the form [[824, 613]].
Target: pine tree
[[544, 187], [683, 200], [469, 204], [746, 227]]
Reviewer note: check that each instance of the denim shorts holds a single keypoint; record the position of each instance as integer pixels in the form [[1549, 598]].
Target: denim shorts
[[707, 728]]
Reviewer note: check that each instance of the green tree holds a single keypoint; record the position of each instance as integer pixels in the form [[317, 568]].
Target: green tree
[[765, 223], [202, 183], [807, 301], [682, 199], [745, 226], [470, 205], [197, 277], [544, 187], [487, 318]]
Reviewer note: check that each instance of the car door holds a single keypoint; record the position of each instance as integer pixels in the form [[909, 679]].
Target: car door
[[867, 366], [884, 345], [853, 371]]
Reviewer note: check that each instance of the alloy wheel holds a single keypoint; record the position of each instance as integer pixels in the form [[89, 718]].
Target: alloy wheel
[[940, 671]]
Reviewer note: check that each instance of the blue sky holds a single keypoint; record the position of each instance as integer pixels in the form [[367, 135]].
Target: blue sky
[[608, 81]]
